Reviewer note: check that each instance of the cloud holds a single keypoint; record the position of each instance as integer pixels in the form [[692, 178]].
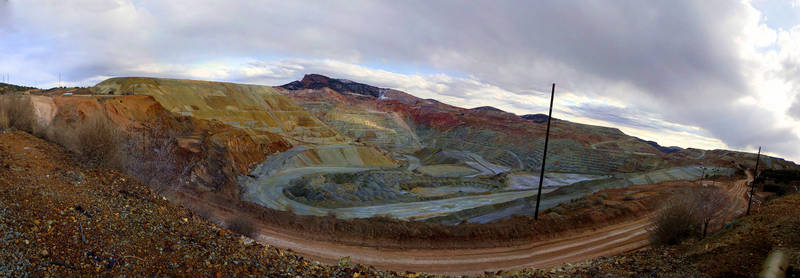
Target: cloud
[[795, 109], [705, 68]]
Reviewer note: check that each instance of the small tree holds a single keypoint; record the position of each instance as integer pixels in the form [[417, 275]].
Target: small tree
[[689, 213], [708, 202], [676, 222]]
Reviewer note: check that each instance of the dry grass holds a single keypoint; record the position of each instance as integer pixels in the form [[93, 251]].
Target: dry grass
[[99, 142], [95, 139], [4, 120], [18, 113]]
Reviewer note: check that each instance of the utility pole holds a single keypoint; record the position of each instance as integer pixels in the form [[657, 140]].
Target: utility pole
[[703, 175], [753, 184], [544, 154]]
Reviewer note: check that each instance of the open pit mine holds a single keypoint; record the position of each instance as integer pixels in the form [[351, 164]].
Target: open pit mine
[[332, 168]]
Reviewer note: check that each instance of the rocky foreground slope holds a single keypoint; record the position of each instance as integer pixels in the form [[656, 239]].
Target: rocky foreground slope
[[60, 218]]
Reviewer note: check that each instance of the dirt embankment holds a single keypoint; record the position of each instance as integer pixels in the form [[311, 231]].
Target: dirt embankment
[[61, 219]]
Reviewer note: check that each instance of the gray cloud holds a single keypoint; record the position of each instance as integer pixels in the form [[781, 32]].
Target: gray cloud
[[621, 116], [675, 60], [794, 111]]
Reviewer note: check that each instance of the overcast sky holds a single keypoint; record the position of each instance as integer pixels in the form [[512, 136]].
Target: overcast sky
[[708, 74]]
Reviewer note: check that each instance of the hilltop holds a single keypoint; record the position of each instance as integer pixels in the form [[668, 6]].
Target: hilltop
[[11, 88]]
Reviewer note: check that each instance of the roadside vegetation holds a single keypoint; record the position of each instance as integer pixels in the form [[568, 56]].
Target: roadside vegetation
[[687, 214]]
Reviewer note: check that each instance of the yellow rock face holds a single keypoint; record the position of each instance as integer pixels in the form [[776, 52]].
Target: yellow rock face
[[253, 108], [239, 105]]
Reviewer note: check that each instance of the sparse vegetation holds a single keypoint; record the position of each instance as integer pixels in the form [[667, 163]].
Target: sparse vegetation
[[687, 214], [244, 226], [708, 202], [18, 113], [4, 120], [100, 142], [152, 161], [676, 222], [94, 139]]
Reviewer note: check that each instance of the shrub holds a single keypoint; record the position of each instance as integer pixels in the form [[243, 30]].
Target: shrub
[[99, 142], [708, 201], [4, 121], [628, 198], [18, 111], [243, 226], [676, 222], [687, 214], [152, 161]]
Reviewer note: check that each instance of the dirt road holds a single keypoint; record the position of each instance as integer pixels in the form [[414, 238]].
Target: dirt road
[[605, 241], [608, 241]]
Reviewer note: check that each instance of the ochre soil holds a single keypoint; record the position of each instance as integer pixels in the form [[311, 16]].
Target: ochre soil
[[59, 218]]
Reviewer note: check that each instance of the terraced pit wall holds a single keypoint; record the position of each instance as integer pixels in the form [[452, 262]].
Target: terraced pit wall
[[253, 109]]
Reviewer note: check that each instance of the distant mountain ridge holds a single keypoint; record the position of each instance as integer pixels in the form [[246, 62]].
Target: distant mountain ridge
[[670, 149], [536, 118], [488, 108], [317, 81]]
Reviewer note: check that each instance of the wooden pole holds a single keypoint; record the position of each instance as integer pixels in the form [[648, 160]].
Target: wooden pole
[[544, 154], [753, 184]]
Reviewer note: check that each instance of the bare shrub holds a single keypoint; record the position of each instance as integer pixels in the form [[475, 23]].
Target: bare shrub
[[676, 222], [62, 136], [99, 142], [243, 226], [688, 214], [19, 112], [708, 201], [4, 121], [153, 156], [203, 211]]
